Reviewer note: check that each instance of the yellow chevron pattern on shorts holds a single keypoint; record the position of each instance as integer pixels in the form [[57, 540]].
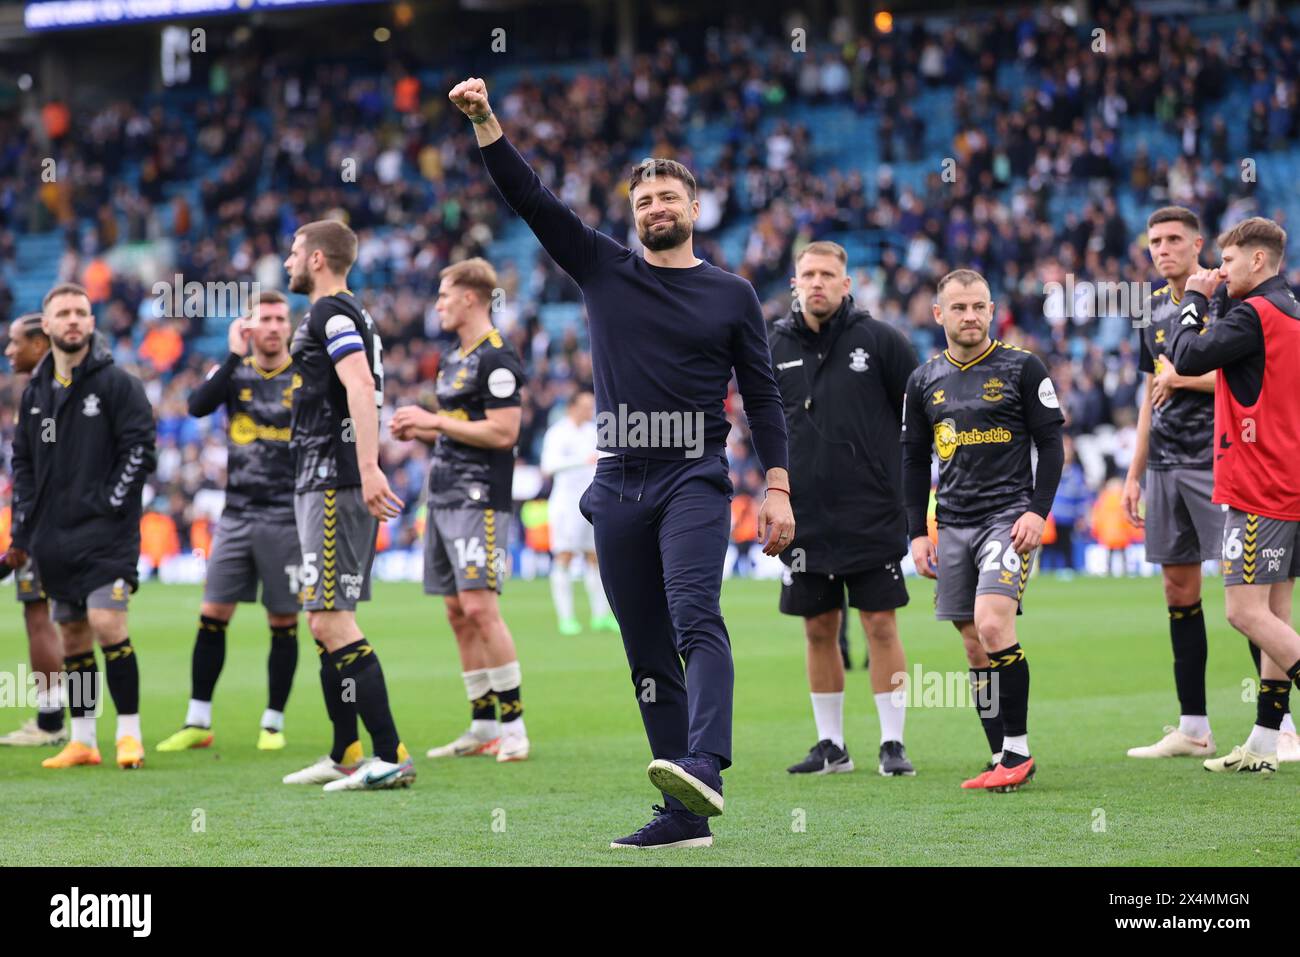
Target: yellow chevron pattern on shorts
[[329, 549], [1249, 546], [490, 543], [1024, 574]]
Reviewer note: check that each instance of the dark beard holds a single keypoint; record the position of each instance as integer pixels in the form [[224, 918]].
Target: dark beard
[[63, 346], [301, 284], [669, 239]]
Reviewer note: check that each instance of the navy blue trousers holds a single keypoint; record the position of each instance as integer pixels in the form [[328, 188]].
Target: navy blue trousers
[[662, 529]]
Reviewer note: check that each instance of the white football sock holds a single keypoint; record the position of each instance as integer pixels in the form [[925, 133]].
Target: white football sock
[[128, 724], [83, 730], [477, 685], [1262, 740], [828, 712], [891, 713], [595, 590], [1194, 725], [561, 592], [1288, 724], [514, 729], [273, 720], [1016, 744], [997, 757], [199, 713]]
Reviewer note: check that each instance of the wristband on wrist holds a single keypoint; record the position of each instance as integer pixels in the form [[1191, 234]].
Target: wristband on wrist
[[777, 488]]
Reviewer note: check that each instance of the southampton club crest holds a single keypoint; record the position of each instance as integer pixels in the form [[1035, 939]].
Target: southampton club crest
[[858, 360], [91, 405]]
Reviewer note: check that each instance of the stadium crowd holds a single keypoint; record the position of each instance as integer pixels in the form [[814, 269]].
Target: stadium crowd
[[277, 139]]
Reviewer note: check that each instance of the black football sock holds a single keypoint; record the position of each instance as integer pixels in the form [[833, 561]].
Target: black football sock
[[484, 708], [512, 707], [209, 657], [1011, 672], [342, 711], [1271, 703], [359, 664], [82, 685], [51, 718], [986, 706], [1187, 632], [1294, 672], [122, 674], [1255, 655], [280, 665]]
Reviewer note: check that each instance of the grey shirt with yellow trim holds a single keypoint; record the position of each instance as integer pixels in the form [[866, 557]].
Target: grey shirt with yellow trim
[[487, 375], [259, 463], [1182, 430], [982, 418]]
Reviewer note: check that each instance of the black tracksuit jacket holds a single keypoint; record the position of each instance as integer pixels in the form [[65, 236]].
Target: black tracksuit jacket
[[81, 455], [842, 389]]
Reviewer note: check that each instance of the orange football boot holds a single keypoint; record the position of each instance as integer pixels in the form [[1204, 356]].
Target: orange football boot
[[1004, 779], [979, 779]]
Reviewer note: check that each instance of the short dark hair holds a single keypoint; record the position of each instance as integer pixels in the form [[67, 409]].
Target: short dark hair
[[1256, 233], [64, 289], [271, 296], [660, 168], [964, 277], [334, 239], [1175, 214], [29, 325]]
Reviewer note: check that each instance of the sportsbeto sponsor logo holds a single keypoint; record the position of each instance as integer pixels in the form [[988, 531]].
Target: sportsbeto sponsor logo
[[73, 910], [651, 430], [244, 429], [947, 437]]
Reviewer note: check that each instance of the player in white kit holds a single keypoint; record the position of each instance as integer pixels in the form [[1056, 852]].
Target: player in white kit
[[569, 458]]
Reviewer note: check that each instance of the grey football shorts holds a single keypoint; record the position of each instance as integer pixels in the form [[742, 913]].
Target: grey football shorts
[[1183, 525], [27, 582], [464, 549], [113, 597], [336, 537], [1258, 550], [978, 560], [248, 549]]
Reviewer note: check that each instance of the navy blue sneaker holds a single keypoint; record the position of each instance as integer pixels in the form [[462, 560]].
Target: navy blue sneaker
[[669, 829], [696, 782]]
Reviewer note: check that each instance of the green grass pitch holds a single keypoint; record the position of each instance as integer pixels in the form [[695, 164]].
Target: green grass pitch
[[1102, 681]]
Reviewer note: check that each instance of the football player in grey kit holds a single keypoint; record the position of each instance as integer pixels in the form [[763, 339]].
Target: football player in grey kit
[[1174, 453], [255, 542], [339, 497], [473, 437]]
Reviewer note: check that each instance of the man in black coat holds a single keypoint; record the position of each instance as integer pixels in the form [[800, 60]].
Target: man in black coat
[[82, 449], [842, 375]]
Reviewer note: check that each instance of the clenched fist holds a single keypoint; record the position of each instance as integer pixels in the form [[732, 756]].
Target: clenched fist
[[470, 97]]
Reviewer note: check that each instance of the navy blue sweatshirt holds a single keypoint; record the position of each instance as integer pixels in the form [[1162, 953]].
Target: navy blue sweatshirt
[[663, 340]]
